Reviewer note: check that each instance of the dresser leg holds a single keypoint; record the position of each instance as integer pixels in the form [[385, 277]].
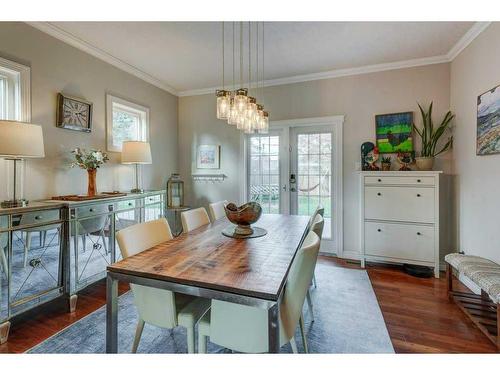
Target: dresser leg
[[4, 332], [436, 272], [72, 302], [362, 262]]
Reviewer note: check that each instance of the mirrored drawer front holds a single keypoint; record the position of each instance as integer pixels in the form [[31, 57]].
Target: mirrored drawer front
[[92, 210], [153, 199], [399, 204], [127, 204], [35, 217], [400, 241], [395, 180]]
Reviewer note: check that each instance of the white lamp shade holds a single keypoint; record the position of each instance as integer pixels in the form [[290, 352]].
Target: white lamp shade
[[135, 152], [21, 140]]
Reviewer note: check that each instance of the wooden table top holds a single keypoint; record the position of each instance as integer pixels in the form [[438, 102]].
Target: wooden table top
[[206, 258]]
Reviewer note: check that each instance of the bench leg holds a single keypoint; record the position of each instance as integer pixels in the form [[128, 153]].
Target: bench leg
[[498, 326], [449, 280]]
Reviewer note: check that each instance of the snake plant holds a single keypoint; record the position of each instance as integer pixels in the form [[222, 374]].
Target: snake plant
[[430, 135]]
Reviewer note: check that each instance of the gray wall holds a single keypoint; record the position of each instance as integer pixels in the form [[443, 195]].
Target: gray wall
[[359, 98], [58, 67], [473, 72]]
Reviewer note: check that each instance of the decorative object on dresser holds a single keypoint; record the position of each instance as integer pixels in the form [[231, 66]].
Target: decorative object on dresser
[[371, 159], [394, 132], [136, 152], [19, 141], [488, 121], [430, 137], [401, 217], [405, 159], [175, 191], [243, 216], [74, 113], [90, 161], [366, 148], [386, 163], [208, 157]]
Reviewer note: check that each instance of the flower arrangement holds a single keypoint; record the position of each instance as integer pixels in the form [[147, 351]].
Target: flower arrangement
[[386, 163], [88, 160]]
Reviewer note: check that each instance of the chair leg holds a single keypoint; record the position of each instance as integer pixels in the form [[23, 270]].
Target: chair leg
[[27, 247], [449, 281], [202, 344], [293, 344], [310, 304], [4, 262], [314, 281], [104, 243], [303, 333], [44, 238], [84, 243], [190, 339], [138, 334]]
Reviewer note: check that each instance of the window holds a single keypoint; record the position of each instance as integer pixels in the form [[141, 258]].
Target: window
[[14, 91], [125, 121]]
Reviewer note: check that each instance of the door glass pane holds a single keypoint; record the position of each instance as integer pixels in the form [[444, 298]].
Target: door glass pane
[[314, 156], [265, 172]]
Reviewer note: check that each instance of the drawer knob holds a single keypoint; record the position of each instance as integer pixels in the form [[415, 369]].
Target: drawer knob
[[419, 234], [379, 194], [38, 217], [419, 180], [379, 180], [418, 195], [130, 203], [379, 230], [91, 210]]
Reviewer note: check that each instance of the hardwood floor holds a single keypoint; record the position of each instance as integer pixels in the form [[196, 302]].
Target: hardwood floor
[[417, 312]]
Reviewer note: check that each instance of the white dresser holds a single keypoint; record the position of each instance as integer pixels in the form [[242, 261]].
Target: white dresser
[[400, 217]]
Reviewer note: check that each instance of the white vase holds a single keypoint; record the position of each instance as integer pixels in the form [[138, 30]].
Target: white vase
[[424, 163]]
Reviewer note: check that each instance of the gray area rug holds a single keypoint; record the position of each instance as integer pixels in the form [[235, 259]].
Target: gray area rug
[[348, 320]]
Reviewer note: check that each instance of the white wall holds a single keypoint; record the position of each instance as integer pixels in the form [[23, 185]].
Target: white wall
[[474, 71], [359, 98], [58, 67]]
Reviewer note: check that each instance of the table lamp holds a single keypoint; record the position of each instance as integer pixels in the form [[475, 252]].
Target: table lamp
[[18, 141], [136, 152]]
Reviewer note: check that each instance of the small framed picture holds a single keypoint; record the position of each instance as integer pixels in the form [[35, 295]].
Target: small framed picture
[[208, 157], [488, 122], [74, 113], [394, 132]]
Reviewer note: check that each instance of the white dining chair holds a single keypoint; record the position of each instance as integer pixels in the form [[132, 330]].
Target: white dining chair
[[194, 219], [217, 210], [4, 241], [159, 307], [245, 328], [316, 227]]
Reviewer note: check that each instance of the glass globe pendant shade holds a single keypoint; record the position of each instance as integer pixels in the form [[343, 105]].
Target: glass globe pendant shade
[[264, 125], [241, 100], [233, 114], [251, 110], [259, 117], [240, 120], [223, 104]]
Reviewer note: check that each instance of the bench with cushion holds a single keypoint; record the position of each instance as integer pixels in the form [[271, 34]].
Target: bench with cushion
[[483, 310]]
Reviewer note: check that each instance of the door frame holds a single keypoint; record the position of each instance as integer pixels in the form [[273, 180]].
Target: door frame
[[336, 124]]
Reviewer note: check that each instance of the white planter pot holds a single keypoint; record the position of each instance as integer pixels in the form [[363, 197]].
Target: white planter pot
[[424, 164]]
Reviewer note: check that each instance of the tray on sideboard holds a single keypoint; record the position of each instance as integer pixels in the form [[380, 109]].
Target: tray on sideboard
[[80, 198]]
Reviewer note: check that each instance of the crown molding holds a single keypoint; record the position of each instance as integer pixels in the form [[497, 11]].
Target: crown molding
[[467, 39], [82, 45]]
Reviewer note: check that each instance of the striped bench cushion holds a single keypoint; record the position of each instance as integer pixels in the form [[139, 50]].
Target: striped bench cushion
[[481, 271]]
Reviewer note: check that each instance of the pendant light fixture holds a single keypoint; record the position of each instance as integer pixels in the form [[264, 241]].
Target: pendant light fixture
[[238, 107]]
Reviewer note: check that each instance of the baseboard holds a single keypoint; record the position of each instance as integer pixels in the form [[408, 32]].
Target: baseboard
[[351, 254]]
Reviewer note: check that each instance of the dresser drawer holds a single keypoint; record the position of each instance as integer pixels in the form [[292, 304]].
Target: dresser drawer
[[36, 217], [399, 180], [414, 204], [400, 241], [93, 210], [152, 199]]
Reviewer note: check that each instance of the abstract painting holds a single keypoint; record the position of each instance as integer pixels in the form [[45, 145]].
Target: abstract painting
[[394, 132], [208, 157], [488, 122]]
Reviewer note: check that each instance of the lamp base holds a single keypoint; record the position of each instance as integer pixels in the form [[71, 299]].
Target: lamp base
[[137, 191], [14, 203]]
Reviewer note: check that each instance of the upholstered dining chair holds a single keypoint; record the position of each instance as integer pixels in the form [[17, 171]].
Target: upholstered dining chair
[[244, 328], [4, 241], [158, 307], [194, 219], [217, 210], [316, 227]]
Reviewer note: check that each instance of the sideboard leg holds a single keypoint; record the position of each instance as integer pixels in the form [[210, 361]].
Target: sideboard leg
[[449, 281], [4, 332], [72, 302], [362, 262]]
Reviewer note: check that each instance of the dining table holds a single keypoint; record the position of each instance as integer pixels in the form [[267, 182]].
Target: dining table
[[206, 263]]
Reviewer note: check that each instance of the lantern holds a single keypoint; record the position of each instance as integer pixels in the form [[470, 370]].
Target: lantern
[[175, 191]]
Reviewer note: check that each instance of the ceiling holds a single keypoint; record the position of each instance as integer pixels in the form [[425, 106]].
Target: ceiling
[[185, 57]]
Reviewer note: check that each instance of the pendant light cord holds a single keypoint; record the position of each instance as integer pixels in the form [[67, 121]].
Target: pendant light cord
[[233, 58], [249, 57], [223, 55], [241, 54]]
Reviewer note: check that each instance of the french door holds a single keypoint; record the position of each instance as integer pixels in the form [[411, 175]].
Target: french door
[[291, 171]]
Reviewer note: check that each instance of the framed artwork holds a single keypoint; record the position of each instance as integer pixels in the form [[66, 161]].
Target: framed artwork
[[488, 122], [74, 113], [208, 157], [394, 132]]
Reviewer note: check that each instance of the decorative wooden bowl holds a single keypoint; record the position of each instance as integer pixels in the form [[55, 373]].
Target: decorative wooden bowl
[[243, 216]]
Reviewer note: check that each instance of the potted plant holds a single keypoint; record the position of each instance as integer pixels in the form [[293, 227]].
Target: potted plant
[[386, 163], [430, 136], [90, 161]]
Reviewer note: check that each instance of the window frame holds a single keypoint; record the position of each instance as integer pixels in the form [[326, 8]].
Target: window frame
[[18, 76], [133, 109]]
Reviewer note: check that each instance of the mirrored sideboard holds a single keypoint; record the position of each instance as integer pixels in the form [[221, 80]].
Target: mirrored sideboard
[[55, 248]]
